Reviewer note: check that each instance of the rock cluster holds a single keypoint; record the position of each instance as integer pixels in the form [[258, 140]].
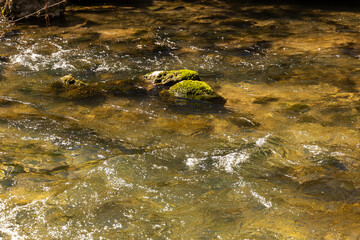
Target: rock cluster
[[185, 84], [182, 84]]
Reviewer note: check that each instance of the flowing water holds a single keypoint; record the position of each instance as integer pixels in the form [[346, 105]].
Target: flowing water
[[279, 161]]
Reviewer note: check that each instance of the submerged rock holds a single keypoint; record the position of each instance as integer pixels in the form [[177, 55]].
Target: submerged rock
[[298, 108], [125, 87], [170, 78], [195, 90], [68, 81], [15, 9], [265, 100], [71, 88]]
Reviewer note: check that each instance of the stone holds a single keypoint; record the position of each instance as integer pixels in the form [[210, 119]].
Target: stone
[[71, 88], [67, 82], [15, 9], [195, 90], [170, 78]]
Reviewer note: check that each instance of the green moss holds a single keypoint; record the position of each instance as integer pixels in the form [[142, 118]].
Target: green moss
[[67, 82], [189, 87], [170, 78], [186, 74], [71, 80], [195, 90]]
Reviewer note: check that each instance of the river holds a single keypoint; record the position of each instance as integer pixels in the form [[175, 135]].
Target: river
[[280, 160]]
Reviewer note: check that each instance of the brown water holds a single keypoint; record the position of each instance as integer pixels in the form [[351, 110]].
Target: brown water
[[279, 161]]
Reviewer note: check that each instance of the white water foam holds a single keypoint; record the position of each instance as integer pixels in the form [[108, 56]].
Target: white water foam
[[226, 162], [261, 141], [231, 160], [261, 199]]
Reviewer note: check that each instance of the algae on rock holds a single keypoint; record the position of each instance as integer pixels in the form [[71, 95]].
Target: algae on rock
[[196, 90], [67, 81], [170, 78], [71, 88]]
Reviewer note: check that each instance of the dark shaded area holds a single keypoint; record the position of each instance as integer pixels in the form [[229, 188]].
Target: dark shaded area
[[132, 3], [334, 5], [322, 4], [350, 49], [22, 9], [188, 106]]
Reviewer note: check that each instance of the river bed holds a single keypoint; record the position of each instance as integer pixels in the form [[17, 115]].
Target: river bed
[[280, 160]]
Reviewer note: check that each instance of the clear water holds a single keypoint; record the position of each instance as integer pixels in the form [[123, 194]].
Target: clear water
[[279, 161]]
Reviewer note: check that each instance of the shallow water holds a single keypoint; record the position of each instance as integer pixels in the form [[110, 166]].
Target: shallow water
[[279, 161]]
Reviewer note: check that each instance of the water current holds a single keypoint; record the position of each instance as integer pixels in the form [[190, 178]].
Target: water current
[[279, 161]]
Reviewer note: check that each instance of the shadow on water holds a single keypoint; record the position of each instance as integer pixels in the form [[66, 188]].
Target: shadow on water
[[70, 21], [186, 106], [346, 5], [127, 3]]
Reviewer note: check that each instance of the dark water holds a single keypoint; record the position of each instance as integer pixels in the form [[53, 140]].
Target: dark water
[[279, 161]]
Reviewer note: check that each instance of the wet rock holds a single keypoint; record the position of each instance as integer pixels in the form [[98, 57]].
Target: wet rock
[[195, 90], [170, 78], [298, 108], [71, 88], [15, 9], [68, 81], [243, 122]]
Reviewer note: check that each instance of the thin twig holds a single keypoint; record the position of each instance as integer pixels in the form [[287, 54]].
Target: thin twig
[[39, 11]]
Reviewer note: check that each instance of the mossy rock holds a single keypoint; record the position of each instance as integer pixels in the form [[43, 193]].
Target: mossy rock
[[170, 78], [195, 90], [71, 88], [66, 82]]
